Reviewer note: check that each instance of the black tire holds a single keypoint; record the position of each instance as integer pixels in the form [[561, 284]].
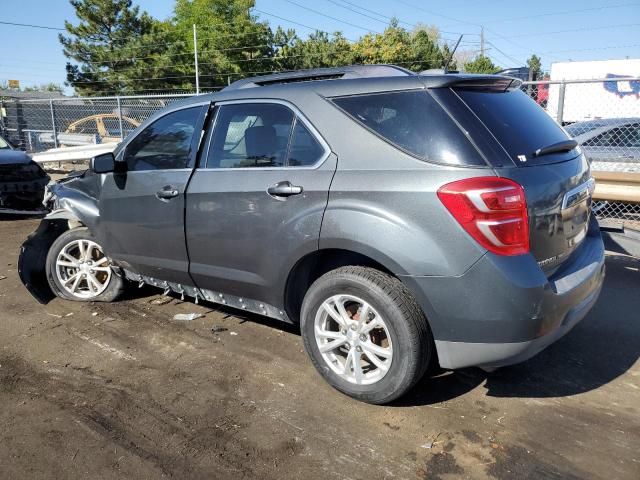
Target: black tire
[[116, 283], [413, 347]]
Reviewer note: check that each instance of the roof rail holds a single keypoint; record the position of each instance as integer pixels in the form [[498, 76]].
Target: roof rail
[[347, 72]]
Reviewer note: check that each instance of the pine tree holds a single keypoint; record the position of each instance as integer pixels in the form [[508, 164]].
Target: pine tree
[[480, 64], [103, 45]]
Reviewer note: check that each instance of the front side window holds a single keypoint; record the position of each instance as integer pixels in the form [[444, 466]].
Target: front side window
[[250, 135], [165, 144]]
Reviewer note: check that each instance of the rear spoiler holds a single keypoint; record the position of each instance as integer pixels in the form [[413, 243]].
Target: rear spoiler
[[491, 83]]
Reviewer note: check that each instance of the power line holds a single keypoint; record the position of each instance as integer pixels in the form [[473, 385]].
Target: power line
[[389, 18], [565, 12], [583, 29], [505, 55], [330, 17], [43, 27]]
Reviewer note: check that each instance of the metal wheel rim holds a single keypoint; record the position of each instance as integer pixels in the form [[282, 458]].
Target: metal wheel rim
[[353, 339], [82, 269]]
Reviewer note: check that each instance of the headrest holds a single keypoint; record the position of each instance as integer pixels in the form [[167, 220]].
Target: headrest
[[260, 141]]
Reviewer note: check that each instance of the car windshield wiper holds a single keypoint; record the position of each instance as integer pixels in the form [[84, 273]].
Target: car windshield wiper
[[563, 146]]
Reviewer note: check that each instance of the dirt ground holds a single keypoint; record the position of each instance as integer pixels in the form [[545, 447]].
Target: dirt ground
[[102, 391]]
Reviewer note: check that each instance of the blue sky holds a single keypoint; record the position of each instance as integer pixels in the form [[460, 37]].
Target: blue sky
[[556, 31]]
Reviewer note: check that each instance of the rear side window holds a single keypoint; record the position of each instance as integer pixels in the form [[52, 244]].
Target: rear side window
[[305, 149], [414, 122], [518, 123]]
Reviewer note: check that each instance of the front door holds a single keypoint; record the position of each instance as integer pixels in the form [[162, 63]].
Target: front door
[[142, 210], [257, 204]]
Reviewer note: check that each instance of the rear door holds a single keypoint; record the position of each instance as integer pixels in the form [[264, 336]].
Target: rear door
[[256, 204], [142, 209], [557, 182]]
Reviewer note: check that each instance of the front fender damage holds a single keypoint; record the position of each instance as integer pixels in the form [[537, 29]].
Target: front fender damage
[[72, 203], [33, 258]]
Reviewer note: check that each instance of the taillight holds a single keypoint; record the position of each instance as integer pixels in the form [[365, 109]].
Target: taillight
[[492, 210]]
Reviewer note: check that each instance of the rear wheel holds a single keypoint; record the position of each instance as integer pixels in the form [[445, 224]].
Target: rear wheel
[[365, 334], [78, 269]]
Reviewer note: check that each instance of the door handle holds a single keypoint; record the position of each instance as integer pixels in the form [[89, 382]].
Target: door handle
[[284, 189], [167, 192]]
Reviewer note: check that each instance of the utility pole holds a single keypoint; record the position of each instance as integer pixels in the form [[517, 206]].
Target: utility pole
[[482, 40], [195, 58]]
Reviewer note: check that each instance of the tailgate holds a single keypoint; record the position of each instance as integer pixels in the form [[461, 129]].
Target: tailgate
[[559, 207]]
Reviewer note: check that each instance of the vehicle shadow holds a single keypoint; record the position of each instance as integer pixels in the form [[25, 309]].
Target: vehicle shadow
[[148, 291], [5, 217], [597, 351]]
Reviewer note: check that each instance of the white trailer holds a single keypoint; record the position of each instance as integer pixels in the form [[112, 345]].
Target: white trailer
[[590, 100]]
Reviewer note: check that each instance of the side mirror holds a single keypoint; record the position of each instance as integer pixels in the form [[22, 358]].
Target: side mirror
[[104, 163]]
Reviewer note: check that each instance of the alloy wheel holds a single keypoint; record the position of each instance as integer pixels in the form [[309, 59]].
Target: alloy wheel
[[82, 269], [353, 339]]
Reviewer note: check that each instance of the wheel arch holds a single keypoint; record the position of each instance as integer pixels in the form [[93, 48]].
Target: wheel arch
[[315, 264]]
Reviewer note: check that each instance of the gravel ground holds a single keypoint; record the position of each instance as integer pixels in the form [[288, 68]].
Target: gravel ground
[[122, 390]]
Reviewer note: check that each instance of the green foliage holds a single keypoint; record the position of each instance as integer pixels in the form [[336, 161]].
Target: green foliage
[[480, 64], [118, 49], [103, 45], [535, 67], [45, 87]]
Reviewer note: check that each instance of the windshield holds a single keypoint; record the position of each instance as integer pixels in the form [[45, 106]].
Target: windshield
[[519, 124], [4, 144]]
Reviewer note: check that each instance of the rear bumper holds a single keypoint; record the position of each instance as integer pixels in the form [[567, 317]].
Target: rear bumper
[[494, 355], [504, 310]]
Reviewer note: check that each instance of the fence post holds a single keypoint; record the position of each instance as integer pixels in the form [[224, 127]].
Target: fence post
[[53, 124], [120, 118], [560, 114]]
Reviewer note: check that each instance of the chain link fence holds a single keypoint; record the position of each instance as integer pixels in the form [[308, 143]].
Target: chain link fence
[[603, 115], [36, 125]]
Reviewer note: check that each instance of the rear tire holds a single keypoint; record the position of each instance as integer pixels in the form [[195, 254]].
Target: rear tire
[[376, 358], [77, 269]]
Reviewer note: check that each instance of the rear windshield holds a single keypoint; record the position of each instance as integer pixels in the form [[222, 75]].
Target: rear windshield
[[518, 123], [414, 122]]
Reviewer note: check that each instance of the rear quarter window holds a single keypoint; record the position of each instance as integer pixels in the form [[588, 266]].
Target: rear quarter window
[[413, 122]]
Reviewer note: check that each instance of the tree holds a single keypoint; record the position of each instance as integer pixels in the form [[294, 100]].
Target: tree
[[104, 45], [45, 87], [232, 43], [319, 50], [535, 67], [481, 64], [425, 51]]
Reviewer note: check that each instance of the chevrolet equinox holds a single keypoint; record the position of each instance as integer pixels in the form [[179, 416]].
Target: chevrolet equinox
[[404, 221]]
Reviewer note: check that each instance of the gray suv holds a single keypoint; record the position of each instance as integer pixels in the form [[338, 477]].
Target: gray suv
[[403, 221]]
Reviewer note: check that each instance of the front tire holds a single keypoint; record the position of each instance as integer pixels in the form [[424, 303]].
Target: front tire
[[77, 269], [365, 334]]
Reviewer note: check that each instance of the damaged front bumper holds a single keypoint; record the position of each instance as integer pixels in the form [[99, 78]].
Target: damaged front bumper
[[71, 202]]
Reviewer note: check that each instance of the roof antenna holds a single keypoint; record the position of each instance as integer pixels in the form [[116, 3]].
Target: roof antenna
[[446, 65]]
